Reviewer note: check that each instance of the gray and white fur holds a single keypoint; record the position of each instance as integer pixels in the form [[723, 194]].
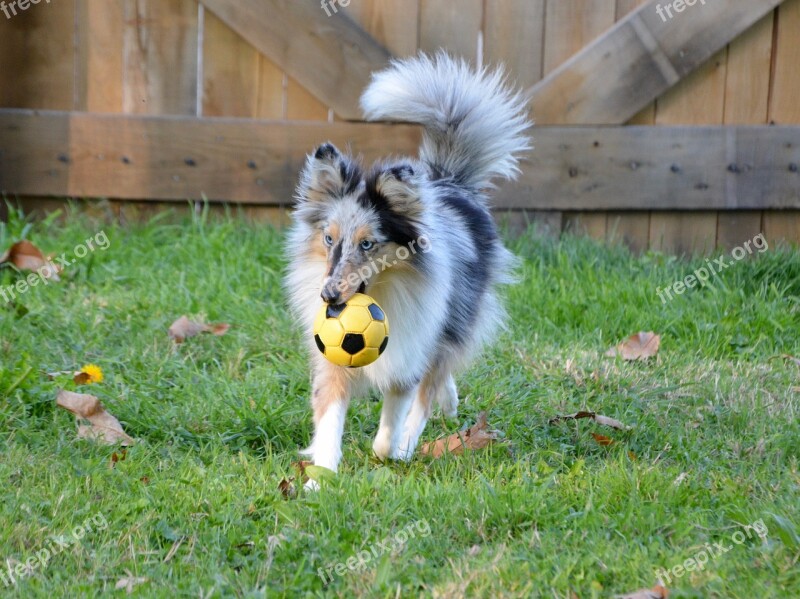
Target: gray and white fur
[[440, 297]]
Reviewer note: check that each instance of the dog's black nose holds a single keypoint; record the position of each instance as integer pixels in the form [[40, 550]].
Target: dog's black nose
[[331, 295]]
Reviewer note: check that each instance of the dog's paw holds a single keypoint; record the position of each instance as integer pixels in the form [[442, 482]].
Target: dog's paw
[[382, 447], [403, 455]]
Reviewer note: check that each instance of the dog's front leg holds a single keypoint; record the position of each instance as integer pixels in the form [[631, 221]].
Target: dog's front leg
[[329, 400], [396, 404]]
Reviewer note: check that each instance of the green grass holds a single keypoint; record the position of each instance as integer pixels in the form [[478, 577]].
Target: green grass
[[219, 421]]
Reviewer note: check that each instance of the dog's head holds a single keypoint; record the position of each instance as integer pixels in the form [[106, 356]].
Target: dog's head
[[361, 223]]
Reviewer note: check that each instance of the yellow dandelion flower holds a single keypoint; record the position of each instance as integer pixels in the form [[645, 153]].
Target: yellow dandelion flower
[[94, 372]]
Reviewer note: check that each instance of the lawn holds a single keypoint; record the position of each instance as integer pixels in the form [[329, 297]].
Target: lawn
[[195, 507]]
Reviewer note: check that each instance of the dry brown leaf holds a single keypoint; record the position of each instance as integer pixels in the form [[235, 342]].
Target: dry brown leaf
[[102, 426], [26, 256], [657, 592], [117, 457], [603, 440], [598, 418], [183, 328], [792, 359], [287, 486], [639, 346], [477, 436], [82, 378]]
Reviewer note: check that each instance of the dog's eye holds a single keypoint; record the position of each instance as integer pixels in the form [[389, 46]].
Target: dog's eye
[[328, 240], [366, 245]]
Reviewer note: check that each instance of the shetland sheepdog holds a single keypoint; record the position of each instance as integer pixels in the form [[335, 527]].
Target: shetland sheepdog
[[414, 233]]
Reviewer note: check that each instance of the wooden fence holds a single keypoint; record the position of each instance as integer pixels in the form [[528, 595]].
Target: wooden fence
[[673, 133]]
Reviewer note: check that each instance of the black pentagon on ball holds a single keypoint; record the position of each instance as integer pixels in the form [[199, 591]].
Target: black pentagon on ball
[[334, 311], [319, 343], [353, 343], [383, 345], [376, 312]]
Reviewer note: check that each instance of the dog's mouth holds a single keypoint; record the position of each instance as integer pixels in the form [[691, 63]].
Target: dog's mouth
[[363, 287]]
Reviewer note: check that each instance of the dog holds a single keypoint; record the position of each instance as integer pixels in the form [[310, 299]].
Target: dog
[[425, 218]]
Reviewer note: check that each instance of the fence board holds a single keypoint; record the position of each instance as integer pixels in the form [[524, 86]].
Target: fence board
[[747, 84], [664, 168], [575, 168], [736, 226], [172, 158], [613, 78], [230, 72], [683, 233], [569, 27], [393, 23], [647, 115], [301, 105], [782, 227], [37, 57], [453, 26], [331, 57], [631, 228], [238, 81], [272, 94], [514, 36], [784, 106], [100, 67], [161, 53]]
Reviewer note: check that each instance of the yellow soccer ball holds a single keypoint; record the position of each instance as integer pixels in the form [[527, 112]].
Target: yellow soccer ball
[[353, 334]]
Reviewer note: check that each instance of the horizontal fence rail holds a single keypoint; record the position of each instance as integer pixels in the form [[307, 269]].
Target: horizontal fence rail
[[256, 162]]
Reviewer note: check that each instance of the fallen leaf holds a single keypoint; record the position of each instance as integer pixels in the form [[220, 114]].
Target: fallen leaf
[[657, 592], [477, 436], [145, 480], [639, 346], [129, 582], [115, 457], [603, 440], [26, 256], [183, 328], [598, 418], [792, 359], [680, 478], [82, 378], [102, 426], [287, 486]]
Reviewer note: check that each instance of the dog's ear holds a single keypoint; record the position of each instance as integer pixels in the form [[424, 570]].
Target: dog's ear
[[400, 185], [328, 174]]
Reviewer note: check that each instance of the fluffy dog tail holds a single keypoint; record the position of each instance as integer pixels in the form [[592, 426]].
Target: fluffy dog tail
[[474, 123]]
